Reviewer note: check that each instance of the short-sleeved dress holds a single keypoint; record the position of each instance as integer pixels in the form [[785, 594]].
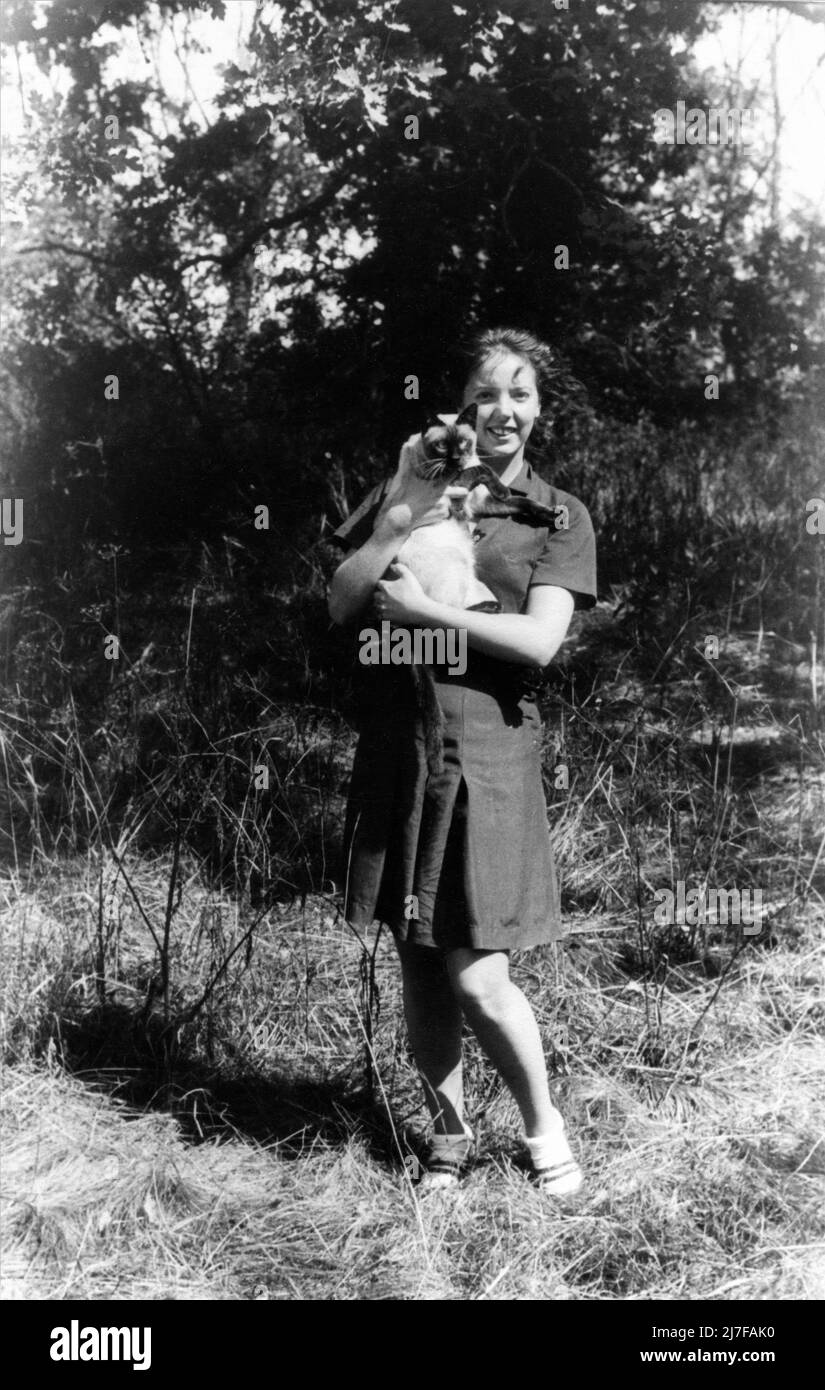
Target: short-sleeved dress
[[463, 858]]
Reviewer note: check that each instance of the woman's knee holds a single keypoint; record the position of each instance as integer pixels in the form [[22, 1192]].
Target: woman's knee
[[480, 979], [419, 963]]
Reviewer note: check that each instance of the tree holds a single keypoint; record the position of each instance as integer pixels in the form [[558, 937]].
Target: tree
[[378, 178]]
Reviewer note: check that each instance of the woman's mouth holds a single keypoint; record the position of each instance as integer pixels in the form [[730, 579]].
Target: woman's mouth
[[501, 432]]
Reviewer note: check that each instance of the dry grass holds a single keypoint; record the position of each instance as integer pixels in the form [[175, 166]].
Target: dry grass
[[188, 1115], [271, 1173]]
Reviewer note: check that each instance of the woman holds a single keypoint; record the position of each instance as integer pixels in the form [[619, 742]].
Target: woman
[[459, 864]]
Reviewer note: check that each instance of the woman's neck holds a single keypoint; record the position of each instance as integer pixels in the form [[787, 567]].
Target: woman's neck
[[507, 470]]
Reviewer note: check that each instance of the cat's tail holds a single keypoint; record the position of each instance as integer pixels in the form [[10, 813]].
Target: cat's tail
[[432, 717]]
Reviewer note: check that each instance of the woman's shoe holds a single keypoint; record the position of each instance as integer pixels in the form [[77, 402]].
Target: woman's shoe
[[562, 1180], [555, 1171], [445, 1159]]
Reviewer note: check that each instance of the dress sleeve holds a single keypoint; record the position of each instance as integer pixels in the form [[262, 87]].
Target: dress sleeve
[[569, 557], [357, 528]]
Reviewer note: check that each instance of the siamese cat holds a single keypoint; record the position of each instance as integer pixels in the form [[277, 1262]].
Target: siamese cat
[[442, 556]]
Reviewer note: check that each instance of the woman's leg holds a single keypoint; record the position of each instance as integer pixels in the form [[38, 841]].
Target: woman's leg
[[434, 1023], [506, 1028]]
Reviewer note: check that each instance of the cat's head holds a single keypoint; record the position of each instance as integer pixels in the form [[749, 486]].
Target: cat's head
[[449, 446]]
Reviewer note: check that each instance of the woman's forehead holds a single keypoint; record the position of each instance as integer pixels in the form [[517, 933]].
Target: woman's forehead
[[503, 369]]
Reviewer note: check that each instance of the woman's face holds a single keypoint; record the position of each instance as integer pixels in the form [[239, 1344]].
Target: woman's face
[[504, 390]]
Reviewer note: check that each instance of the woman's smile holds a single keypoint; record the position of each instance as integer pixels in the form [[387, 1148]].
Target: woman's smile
[[505, 394], [502, 432]]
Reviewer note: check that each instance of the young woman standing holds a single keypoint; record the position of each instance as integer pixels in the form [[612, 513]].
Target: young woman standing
[[468, 848]]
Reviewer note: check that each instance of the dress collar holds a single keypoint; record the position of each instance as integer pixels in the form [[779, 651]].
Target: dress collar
[[522, 480]]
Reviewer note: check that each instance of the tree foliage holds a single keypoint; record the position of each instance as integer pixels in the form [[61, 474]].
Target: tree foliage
[[216, 305], [372, 179]]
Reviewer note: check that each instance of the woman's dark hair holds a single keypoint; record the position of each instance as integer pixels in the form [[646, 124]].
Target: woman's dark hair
[[493, 342], [557, 387]]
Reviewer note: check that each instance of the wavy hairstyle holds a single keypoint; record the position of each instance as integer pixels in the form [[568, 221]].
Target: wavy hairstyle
[[557, 386]]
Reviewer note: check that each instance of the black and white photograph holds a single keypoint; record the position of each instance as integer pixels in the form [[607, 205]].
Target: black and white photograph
[[412, 632]]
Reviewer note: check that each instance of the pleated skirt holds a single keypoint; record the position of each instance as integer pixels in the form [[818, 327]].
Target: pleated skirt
[[463, 858]]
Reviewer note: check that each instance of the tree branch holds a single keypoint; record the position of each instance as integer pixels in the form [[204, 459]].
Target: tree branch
[[227, 260], [68, 249]]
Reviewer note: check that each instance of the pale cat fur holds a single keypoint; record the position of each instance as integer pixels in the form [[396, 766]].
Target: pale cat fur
[[442, 556]]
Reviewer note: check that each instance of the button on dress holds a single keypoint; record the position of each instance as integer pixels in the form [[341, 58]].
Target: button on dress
[[464, 857]]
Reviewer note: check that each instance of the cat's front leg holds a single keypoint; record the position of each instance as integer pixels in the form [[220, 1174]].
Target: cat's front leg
[[475, 503], [464, 510], [482, 503]]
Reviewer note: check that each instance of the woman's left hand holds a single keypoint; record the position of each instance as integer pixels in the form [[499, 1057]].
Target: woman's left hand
[[400, 599]]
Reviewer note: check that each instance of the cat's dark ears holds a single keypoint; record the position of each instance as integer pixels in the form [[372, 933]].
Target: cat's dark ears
[[433, 423], [467, 417]]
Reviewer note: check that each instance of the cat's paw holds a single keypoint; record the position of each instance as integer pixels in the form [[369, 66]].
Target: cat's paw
[[478, 593]]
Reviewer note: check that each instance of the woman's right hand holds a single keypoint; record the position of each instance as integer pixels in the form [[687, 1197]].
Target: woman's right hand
[[412, 501]]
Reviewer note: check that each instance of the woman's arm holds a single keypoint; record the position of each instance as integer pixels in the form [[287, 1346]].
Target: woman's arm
[[354, 581], [410, 502], [529, 639]]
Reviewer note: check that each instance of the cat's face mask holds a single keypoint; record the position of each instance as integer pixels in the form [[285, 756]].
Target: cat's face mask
[[449, 445]]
